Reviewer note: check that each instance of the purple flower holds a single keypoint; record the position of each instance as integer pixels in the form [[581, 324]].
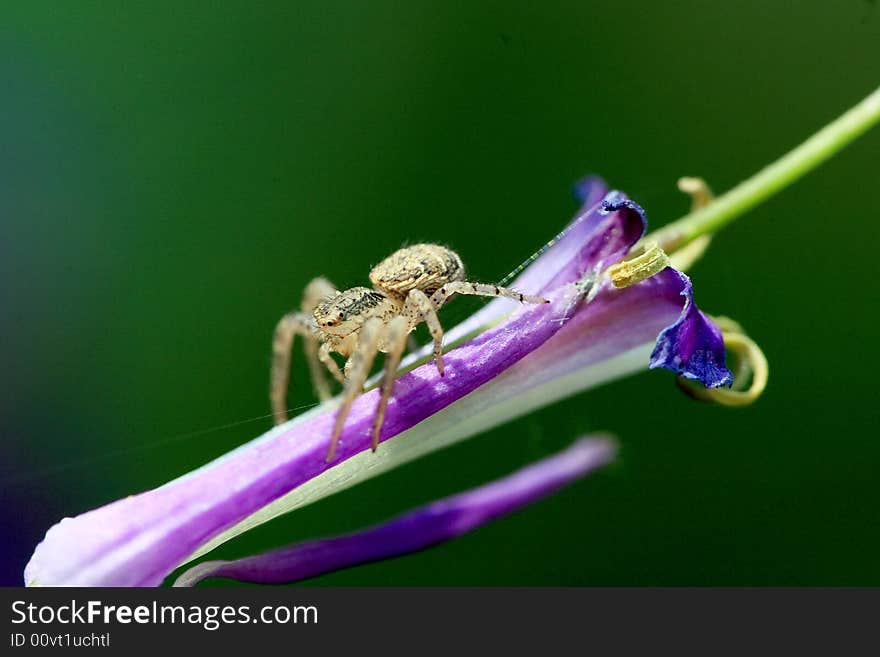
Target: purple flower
[[529, 356]]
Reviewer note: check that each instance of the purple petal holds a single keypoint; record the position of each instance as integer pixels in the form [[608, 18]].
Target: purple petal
[[560, 250], [693, 346], [600, 234], [416, 530], [616, 222], [137, 541], [607, 339], [616, 321]]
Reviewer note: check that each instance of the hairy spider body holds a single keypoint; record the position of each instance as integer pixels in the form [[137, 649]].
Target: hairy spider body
[[424, 267], [410, 286]]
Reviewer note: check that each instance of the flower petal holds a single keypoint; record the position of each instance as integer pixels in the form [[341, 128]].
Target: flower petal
[[616, 221], [535, 278], [416, 530], [693, 346]]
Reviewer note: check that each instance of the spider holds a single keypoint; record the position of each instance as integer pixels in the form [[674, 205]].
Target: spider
[[409, 287]]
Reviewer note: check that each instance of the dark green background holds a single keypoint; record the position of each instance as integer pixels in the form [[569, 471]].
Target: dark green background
[[173, 173]]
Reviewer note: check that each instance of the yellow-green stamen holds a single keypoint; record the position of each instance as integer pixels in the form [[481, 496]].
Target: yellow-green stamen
[[634, 270]]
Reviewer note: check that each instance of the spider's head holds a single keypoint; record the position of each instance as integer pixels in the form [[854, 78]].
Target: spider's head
[[345, 312]]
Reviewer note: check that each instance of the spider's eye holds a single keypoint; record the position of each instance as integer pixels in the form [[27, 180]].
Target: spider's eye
[[330, 323]]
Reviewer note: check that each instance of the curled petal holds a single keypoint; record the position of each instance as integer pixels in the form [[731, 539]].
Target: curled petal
[[544, 267], [416, 530], [692, 347], [565, 247], [603, 230], [614, 226]]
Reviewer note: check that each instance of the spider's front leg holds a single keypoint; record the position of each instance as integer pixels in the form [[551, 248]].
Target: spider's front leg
[[357, 370], [442, 295]]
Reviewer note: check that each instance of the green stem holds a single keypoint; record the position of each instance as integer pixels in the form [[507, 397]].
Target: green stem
[[771, 179]]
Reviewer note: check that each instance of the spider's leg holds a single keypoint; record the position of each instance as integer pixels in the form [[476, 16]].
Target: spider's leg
[[481, 290], [395, 342], [418, 307], [316, 372], [290, 325], [358, 369], [329, 363], [316, 291]]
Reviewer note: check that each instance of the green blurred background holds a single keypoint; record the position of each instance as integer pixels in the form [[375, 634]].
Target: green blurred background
[[173, 173]]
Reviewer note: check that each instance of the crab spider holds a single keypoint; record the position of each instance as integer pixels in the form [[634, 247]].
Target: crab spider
[[409, 287]]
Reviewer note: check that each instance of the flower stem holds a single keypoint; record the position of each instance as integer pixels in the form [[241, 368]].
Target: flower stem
[[772, 178]]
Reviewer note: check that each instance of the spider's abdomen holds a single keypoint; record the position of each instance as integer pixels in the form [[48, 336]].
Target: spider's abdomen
[[425, 267]]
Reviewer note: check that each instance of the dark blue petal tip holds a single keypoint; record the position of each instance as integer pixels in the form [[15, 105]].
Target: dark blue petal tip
[[693, 347], [615, 201]]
